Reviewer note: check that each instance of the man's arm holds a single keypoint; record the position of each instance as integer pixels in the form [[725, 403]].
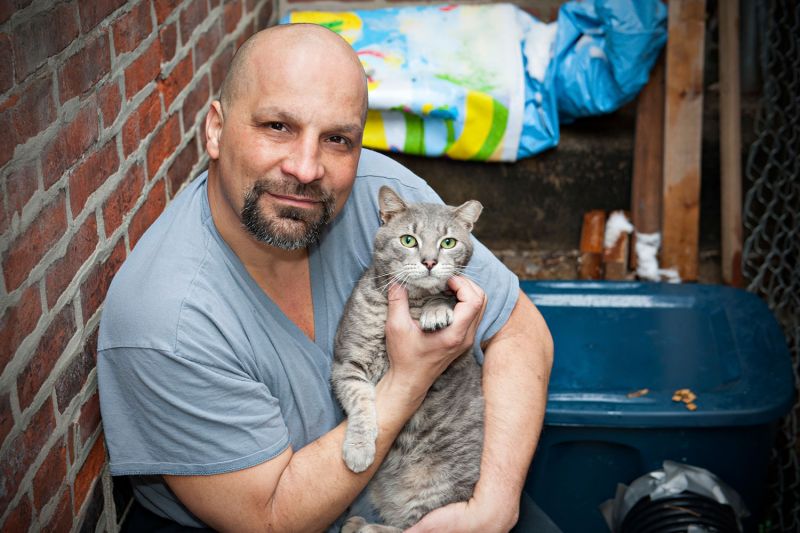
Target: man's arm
[[308, 489], [516, 371]]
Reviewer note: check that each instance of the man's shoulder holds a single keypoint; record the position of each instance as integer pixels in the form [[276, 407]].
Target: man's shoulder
[[144, 301], [376, 169]]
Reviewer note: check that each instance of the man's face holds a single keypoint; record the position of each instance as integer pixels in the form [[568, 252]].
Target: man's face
[[289, 148]]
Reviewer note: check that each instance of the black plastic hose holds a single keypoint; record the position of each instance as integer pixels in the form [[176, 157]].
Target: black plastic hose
[[674, 514]]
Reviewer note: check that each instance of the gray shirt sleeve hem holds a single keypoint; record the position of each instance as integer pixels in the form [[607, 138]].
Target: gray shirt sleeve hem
[[175, 469]]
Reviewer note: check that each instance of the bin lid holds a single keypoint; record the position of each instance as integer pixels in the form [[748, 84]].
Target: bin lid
[[614, 338]]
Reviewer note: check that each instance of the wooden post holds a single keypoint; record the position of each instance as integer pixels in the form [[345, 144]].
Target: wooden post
[[590, 265], [683, 117], [730, 135], [648, 157], [615, 255]]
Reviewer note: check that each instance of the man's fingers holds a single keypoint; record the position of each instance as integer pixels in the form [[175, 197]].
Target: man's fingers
[[471, 300], [397, 312]]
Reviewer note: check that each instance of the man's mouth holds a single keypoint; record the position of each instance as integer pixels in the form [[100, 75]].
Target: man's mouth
[[302, 202]]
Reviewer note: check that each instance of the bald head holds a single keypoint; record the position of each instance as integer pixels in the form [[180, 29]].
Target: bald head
[[287, 44]]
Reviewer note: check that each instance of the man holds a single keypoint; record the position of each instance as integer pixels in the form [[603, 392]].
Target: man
[[216, 338]]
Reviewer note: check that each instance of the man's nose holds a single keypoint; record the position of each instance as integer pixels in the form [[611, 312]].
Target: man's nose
[[303, 161]]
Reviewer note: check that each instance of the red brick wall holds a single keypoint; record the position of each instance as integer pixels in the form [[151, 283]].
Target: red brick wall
[[101, 108]]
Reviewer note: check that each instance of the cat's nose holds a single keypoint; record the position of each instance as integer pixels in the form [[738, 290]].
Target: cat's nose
[[430, 263]]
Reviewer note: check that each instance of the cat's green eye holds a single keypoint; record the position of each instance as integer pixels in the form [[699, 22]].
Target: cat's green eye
[[448, 243], [408, 241]]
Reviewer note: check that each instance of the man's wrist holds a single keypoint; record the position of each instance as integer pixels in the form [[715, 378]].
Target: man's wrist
[[498, 503]]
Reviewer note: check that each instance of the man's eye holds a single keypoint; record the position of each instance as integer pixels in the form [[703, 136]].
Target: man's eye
[[277, 126], [338, 139]]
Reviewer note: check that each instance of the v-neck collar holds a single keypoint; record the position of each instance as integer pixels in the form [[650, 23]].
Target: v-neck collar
[[321, 331]]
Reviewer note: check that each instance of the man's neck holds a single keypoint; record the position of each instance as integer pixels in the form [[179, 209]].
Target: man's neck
[[283, 275]]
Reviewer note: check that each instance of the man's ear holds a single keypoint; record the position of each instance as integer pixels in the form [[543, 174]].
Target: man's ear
[[214, 122]]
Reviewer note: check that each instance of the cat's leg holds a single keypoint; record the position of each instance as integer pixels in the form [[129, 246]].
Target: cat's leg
[[437, 313], [356, 524], [357, 396]]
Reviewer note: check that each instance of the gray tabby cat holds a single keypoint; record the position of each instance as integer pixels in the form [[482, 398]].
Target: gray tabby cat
[[436, 457]]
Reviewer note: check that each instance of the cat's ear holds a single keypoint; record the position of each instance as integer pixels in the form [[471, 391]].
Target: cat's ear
[[390, 203], [468, 213]]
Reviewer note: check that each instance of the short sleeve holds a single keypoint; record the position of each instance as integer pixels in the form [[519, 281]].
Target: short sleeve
[[167, 414]]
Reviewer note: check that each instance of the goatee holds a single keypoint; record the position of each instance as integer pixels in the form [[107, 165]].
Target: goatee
[[291, 228]]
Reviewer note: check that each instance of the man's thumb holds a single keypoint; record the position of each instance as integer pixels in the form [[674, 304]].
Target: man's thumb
[[398, 304]]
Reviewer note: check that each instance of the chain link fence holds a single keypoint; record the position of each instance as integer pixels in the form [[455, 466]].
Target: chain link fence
[[771, 251]]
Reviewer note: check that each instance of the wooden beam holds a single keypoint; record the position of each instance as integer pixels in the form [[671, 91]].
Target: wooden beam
[[730, 135], [590, 263], [683, 118], [648, 157]]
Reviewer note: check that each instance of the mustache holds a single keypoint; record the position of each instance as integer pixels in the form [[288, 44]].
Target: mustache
[[308, 191]]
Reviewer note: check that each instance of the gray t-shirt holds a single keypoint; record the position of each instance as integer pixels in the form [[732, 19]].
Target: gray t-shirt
[[201, 373]]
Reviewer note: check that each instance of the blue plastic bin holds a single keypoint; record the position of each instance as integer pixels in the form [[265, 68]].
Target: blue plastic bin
[[612, 339]]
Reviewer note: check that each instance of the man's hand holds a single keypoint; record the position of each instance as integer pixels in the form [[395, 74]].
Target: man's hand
[[417, 357], [466, 517]]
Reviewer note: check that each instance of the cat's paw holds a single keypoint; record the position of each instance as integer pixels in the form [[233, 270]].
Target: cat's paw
[[359, 450], [436, 318], [353, 524]]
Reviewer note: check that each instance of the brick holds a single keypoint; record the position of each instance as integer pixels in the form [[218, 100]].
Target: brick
[[195, 101], [178, 172], [29, 247], [89, 419], [5, 219], [90, 174], [93, 290], [17, 322], [60, 274], [20, 186], [140, 123], [22, 452], [6, 10], [251, 6], [219, 69], [6, 67], [191, 17], [73, 378], [50, 348], [174, 83], [34, 110], [84, 69], [69, 144], [71, 442], [89, 472], [62, 518], [264, 15], [109, 100], [6, 418], [50, 476], [20, 518], [233, 14], [168, 35], [42, 36], [207, 43], [123, 198], [94, 12], [132, 28], [163, 144], [143, 70], [148, 212], [164, 9]]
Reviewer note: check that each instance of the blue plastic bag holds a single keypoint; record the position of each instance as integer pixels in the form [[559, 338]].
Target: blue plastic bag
[[604, 52]]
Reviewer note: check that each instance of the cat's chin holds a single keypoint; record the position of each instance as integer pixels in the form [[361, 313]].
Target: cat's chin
[[426, 285]]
